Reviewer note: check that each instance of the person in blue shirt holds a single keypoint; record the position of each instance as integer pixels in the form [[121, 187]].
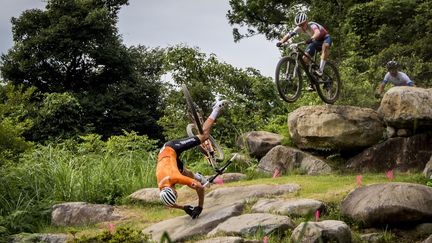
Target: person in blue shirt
[[396, 77]]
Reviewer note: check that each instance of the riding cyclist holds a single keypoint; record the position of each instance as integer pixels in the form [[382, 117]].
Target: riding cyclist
[[319, 40], [397, 78], [170, 169]]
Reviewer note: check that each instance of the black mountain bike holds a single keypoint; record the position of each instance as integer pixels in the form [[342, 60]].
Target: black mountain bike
[[289, 76], [210, 148]]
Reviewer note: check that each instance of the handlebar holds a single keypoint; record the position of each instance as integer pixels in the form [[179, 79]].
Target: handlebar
[[220, 171]]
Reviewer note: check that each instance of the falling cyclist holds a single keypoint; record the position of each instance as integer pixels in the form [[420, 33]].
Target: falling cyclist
[[170, 170]]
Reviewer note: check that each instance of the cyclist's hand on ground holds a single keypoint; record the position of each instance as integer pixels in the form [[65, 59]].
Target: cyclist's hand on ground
[[279, 44], [196, 212], [188, 209]]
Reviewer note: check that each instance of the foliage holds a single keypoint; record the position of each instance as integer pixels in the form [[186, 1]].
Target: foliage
[[121, 234], [366, 34], [254, 99], [74, 47], [58, 117], [15, 107], [90, 170]]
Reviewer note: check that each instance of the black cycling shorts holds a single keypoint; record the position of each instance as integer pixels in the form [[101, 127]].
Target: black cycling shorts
[[180, 145]]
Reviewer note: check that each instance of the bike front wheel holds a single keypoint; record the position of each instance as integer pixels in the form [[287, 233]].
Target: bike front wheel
[[192, 109], [209, 148], [288, 79], [328, 87]]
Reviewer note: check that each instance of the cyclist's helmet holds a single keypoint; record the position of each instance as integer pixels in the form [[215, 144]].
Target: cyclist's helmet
[[300, 18], [168, 196], [392, 65]]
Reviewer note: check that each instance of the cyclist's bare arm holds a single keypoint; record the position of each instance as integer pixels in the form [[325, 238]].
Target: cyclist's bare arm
[[206, 130], [200, 192]]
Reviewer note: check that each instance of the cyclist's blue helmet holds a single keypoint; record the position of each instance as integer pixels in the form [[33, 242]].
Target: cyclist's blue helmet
[[300, 18]]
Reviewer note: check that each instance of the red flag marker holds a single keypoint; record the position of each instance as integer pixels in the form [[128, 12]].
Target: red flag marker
[[276, 173], [389, 175], [359, 180], [317, 213], [111, 228], [218, 180], [265, 239]]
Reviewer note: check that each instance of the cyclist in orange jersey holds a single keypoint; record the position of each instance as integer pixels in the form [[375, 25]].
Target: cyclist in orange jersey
[[170, 170]]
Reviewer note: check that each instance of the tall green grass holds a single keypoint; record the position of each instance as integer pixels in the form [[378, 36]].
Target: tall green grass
[[89, 170]]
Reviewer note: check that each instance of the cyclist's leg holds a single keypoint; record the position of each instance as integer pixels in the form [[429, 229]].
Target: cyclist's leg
[[310, 52], [325, 51], [180, 145], [211, 120]]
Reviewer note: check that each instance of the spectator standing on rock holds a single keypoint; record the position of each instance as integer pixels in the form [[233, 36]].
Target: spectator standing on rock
[[396, 77], [170, 169]]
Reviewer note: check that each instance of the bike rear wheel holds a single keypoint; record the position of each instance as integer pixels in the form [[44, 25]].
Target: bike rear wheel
[[288, 79], [212, 149], [328, 88], [192, 109]]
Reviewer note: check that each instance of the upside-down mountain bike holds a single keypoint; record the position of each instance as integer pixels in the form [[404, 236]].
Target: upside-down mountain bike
[[291, 70], [210, 148]]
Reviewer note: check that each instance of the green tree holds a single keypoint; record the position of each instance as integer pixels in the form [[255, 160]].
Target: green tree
[[74, 46], [15, 106], [253, 96]]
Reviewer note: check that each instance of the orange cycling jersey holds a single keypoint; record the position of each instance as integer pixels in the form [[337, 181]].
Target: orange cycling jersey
[[167, 172]]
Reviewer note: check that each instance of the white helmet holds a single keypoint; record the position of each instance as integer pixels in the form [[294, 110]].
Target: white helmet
[[300, 18], [168, 196]]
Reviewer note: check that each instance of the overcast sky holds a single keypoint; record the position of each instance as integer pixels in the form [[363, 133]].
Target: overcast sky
[[162, 23]]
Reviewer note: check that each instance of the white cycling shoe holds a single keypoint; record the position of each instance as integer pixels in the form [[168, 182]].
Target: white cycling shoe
[[221, 104]]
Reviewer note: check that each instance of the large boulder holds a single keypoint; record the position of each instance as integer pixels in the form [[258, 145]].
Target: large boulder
[[407, 107], [324, 231], [258, 143], [146, 195], [402, 154], [82, 213], [335, 127], [389, 203], [286, 159], [250, 224], [230, 195], [184, 227], [295, 207]]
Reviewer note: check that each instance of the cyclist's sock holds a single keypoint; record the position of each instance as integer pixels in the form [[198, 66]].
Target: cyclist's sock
[[322, 65], [200, 178], [214, 113]]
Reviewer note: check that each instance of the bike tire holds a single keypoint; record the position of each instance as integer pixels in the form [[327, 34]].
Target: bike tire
[[192, 109], [219, 154], [329, 88], [283, 84]]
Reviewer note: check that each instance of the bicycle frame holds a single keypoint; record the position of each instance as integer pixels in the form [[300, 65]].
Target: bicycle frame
[[299, 58]]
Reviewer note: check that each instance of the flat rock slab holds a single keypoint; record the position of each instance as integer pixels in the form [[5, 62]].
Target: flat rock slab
[[250, 224], [389, 203], [82, 213], [324, 231], [183, 227], [295, 207], [228, 239], [146, 195], [230, 195]]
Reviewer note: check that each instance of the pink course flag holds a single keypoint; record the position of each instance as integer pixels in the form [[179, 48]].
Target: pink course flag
[[218, 180], [265, 239], [276, 173], [390, 175], [359, 180], [317, 213], [111, 228]]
